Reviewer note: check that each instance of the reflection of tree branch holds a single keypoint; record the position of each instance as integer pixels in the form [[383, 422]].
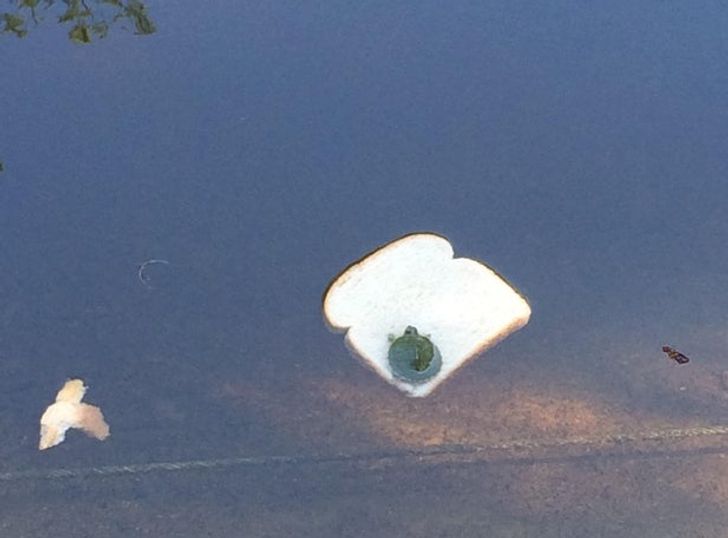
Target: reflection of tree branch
[[89, 19], [32, 11]]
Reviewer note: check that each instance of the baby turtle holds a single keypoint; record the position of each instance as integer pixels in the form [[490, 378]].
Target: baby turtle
[[413, 357]]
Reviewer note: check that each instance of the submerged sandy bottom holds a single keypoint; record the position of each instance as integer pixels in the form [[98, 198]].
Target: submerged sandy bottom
[[614, 497], [662, 488], [658, 475]]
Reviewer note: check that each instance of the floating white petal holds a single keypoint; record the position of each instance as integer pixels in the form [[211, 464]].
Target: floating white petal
[[463, 306], [69, 412]]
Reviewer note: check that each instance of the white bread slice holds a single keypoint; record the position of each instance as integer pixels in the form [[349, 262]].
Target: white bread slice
[[462, 305]]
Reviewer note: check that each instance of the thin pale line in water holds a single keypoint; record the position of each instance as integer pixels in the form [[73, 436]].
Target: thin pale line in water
[[421, 454]]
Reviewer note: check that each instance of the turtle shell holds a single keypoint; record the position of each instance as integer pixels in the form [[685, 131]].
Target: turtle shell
[[413, 358]]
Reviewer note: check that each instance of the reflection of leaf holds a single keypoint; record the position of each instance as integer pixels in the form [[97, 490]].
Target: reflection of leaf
[[2, 167], [137, 11], [80, 34], [14, 24], [75, 11], [88, 19]]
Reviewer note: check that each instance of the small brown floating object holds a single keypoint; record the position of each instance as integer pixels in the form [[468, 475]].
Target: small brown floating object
[[68, 412], [675, 355]]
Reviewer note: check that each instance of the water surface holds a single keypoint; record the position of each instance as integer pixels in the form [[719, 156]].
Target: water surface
[[260, 148]]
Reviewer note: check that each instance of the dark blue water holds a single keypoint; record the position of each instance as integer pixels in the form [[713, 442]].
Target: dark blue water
[[260, 148]]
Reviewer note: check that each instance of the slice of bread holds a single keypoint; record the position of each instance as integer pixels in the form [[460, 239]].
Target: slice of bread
[[462, 305]]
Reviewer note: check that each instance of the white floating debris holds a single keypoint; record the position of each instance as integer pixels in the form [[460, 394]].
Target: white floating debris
[[69, 412], [411, 306]]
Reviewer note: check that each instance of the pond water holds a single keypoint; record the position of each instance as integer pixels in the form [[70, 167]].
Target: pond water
[[258, 148]]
